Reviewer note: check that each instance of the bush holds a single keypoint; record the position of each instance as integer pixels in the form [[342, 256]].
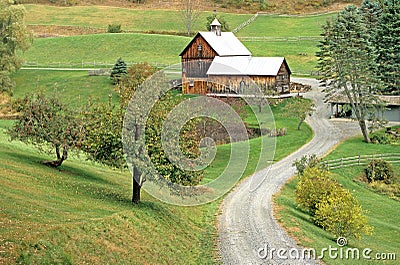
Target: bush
[[114, 28], [314, 185], [342, 215], [379, 170], [307, 161]]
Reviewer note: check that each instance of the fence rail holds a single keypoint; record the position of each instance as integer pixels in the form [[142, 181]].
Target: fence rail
[[360, 160], [85, 65], [289, 38]]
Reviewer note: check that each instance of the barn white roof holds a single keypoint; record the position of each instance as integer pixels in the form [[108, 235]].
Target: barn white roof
[[245, 65], [225, 45]]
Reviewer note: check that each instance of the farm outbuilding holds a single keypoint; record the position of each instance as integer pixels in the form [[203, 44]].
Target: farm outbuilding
[[217, 62]]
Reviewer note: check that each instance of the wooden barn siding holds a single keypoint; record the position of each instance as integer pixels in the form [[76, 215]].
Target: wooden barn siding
[[199, 86], [224, 84]]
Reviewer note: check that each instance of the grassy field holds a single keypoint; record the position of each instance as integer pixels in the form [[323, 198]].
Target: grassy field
[[74, 87], [93, 50], [81, 213], [133, 20], [382, 212]]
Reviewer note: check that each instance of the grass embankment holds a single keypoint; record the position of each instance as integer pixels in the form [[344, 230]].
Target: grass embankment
[[81, 213], [382, 212]]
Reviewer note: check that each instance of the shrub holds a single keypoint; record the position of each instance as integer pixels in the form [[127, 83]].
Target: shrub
[[307, 161], [314, 185], [114, 28], [342, 215], [118, 71], [379, 170]]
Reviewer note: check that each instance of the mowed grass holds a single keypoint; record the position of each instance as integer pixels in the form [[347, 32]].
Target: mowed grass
[[98, 49], [163, 49], [382, 212], [73, 87], [81, 213], [168, 21]]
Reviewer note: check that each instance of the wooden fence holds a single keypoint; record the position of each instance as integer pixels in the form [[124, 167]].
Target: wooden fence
[[360, 160]]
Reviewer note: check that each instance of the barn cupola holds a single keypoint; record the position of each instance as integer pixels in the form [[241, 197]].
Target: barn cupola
[[216, 27]]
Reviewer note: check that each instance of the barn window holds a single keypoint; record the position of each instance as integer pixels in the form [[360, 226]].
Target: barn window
[[200, 50], [191, 83]]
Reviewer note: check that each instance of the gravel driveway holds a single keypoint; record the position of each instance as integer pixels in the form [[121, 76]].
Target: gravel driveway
[[246, 223]]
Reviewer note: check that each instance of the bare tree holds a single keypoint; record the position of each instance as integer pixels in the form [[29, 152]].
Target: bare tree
[[190, 13]]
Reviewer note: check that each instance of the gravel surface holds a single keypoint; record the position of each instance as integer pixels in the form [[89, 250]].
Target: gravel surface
[[246, 224]]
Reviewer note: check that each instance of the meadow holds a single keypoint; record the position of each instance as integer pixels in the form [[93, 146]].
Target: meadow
[[381, 211], [102, 50]]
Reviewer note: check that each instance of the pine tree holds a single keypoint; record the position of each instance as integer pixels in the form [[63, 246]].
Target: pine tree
[[118, 71], [388, 47], [347, 64]]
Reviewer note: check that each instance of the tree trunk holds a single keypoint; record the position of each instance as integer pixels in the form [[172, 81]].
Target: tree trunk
[[364, 130], [299, 125], [136, 186], [60, 158]]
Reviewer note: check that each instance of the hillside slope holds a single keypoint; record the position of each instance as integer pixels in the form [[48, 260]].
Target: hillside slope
[[235, 6]]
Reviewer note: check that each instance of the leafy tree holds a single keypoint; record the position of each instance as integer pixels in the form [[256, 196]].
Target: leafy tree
[[118, 71], [346, 60], [299, 108], [103, 127], [340, 213], [388, 47], [49, 125], [14, 37], [135, 76], [222, 21]]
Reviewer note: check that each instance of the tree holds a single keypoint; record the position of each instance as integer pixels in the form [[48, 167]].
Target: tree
[[49, 125], [346, 60], [118, 71], [14, 37], [299, 108], [135, 76], [222, 21], [388, 47], [190, 13]]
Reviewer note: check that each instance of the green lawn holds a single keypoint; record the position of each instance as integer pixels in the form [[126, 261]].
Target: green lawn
[[99, 49], [81, 213], [382, 212]]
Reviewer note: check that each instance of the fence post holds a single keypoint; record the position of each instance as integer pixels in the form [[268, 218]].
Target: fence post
[[341, 162], [359, 157]]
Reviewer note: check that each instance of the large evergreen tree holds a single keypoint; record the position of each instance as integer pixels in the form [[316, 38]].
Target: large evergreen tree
[[347, 63], [388, 47]]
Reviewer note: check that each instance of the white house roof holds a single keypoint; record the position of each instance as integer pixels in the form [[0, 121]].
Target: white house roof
[[245, 65], [225, 45]]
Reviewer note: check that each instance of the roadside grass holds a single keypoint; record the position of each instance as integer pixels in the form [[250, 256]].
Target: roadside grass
[[381, 211], [281, 146], [132, 20], [81, 213], [74, 87]]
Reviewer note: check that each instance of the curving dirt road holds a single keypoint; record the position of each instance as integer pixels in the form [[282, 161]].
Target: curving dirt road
[[247, 224]]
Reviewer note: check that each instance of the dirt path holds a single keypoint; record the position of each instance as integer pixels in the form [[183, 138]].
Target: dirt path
[[247, 224]]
